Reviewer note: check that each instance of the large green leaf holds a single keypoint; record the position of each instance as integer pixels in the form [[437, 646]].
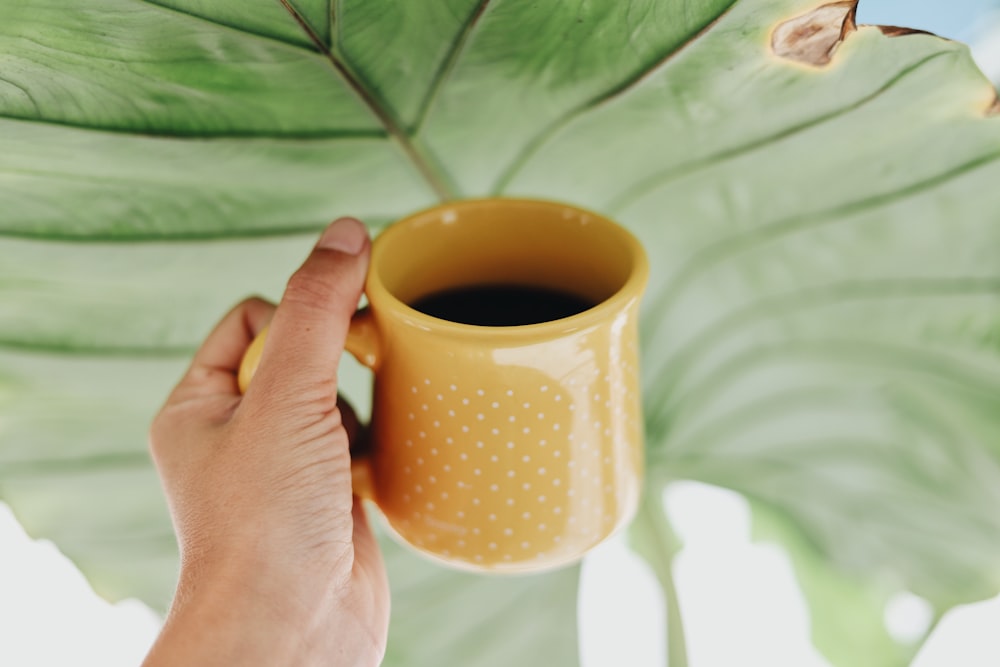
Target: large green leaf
[[821, 332]]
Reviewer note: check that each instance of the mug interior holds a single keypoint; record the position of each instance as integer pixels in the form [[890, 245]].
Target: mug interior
[[504, 241]]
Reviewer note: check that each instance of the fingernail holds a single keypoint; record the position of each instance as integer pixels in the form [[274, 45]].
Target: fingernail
[[345, 235]]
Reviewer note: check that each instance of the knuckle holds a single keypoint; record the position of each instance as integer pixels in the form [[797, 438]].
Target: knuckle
[[307, 289], [316, 290], [308, 400]]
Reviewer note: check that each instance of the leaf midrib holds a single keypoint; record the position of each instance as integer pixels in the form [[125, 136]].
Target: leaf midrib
[[436, 178]]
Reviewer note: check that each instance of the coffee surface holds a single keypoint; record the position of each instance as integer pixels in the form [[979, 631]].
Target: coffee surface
[[501, 305]]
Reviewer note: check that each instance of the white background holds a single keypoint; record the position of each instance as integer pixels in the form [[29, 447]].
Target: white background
[[740, 604]]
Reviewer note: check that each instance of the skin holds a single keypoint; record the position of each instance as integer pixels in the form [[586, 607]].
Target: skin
[[278, 563]]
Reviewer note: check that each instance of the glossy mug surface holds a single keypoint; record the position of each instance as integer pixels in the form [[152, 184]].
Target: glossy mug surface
[[514, 448]]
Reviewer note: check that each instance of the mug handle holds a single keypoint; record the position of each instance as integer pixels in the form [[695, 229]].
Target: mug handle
[[362, 343]]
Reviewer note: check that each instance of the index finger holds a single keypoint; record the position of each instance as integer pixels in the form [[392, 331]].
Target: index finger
[[215, 365]]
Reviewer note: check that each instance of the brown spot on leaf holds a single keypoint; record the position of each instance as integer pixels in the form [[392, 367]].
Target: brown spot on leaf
[[994, 109], [897, 31], [812, 38]]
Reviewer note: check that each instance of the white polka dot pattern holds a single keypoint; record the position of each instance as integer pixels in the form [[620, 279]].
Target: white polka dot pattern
[[512, 466]]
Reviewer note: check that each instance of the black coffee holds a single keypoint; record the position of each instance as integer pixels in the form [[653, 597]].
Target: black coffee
[[501, 305]]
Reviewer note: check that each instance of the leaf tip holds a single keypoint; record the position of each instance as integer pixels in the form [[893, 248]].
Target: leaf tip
[[813, 37]]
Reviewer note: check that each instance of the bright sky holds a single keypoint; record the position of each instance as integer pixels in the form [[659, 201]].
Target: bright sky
[[956, 19], [986, 50], [975, 22]]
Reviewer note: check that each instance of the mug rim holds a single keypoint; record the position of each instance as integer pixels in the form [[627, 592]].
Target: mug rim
[[631, 289]]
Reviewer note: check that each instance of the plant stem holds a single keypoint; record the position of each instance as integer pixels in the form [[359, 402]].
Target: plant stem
[[918, 646], [654, 540]]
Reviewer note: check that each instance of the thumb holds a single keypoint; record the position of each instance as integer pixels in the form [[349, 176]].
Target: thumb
[[307, 335]]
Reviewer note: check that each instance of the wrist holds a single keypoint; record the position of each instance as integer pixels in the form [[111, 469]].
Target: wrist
[[234, 614]]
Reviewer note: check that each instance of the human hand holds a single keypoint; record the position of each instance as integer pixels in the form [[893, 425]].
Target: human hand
[[278, 564]]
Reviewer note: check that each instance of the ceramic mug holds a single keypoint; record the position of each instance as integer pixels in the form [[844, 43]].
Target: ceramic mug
[[501, 448]]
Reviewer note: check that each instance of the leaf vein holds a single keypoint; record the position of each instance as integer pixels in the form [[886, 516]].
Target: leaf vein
[[240, 29], [448, 65], [252, 135], [646, 185], [866, 353], [661, 61], [809, 298], [27, 93], [714, 253], [72, 466], [34, 346]]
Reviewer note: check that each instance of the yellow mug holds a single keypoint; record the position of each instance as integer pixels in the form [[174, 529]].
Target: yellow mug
[[501, 448]]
